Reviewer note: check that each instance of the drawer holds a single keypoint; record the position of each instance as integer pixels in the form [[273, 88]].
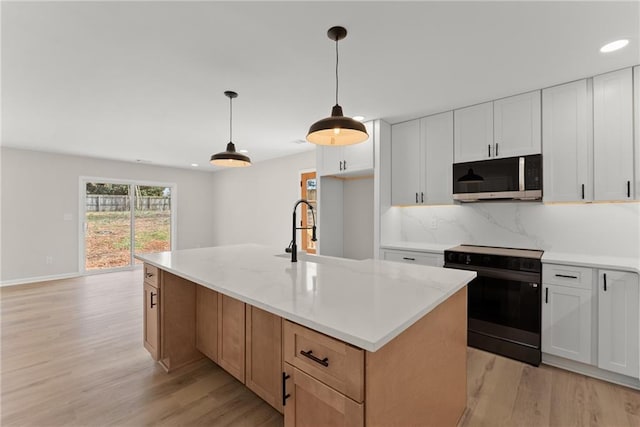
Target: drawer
[[567, 275], [434, 260], [333, 362], [151, 275]]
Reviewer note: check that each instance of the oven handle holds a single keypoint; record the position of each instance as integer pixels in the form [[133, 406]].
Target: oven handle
[[497, 273]]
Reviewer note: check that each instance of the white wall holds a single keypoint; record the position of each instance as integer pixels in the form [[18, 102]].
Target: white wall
[[611, 229], [38, 189], [254, 205]]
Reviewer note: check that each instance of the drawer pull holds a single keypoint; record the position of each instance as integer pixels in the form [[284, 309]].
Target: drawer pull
[[604, 278], [153, 304], [309, 354], [546, 296], [408, 258], [148, 274], [285, 395], [566, 276]]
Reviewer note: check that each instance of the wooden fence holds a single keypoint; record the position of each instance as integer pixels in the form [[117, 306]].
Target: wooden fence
[[109, 203]]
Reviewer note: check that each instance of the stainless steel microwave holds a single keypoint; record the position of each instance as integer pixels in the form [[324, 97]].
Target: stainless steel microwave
[[515, 178]]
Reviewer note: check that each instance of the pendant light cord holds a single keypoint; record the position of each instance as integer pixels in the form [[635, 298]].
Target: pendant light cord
[[230, 120], [337, 59]]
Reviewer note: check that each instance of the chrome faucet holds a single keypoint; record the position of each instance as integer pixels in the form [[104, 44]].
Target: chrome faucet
[[293, 248]]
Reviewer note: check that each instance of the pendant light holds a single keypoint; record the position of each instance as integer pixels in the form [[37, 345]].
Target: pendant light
[[337, 129], [230, 157]]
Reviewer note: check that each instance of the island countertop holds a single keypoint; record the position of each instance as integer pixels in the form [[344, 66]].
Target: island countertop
[[364, 303]]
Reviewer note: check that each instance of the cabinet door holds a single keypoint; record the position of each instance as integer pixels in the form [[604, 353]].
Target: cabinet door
[[636, 115], [151, 320], [437, 157], [517, 125], [207, 322], [613, 136], [566, 121], [566, 322], [473, 133], [618, 322], [264, 355], [231, 330], [311, 403], [405, 163], [329, 159], [359, 157]]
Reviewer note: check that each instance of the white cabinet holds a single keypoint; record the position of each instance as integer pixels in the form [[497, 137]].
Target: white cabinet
[[636, 115], [567, 307], [566, 120], [411, 257], [618, 322], [473, 133], [421, 161], [613, 135], [348, 159], [516, 125], [405, 163], [506, 127]]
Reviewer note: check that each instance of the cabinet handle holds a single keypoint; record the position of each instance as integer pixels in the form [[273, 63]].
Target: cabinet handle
[[153, 304], [408, 258], [628, 188], [489, 150], [582, 191], [309, 354], [496, 149], [604, 279], [148, 274], [340, 164], [421, 197], [285, 395], [344, 164], [416, 197], [566, 276], [546, 295]]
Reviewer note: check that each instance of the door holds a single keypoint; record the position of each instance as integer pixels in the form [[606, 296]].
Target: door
[[330, 160], [117, 213], [517, 125], [359, 156], [618, 322], [308, 192], [566, 322], [613, 136], [151, 320], [473, 133], [405, 163], [231, 340], [566, 121], [437, 173]]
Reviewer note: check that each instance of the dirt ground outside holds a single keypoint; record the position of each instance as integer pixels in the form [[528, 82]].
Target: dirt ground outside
[[108, 239]]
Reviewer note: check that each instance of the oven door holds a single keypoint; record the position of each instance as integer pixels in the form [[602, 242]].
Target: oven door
[[505, 304]]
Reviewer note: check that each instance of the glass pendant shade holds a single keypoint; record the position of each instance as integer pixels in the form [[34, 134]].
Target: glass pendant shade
[[337, 130], [230, 158]]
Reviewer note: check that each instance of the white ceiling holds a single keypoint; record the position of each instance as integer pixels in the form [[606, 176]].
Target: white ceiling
[[145, 80]]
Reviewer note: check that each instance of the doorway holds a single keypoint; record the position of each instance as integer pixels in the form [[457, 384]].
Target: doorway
[[121, 219], [308, 192]]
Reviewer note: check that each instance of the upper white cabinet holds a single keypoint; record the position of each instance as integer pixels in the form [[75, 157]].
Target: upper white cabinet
[[618, 322], [506, 127], [566, 120], [613, 136], [636, 115], [421, 160], [473, 133], [516, 125], [348, 159]]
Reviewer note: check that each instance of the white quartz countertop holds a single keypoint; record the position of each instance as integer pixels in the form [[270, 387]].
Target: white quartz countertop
[[593, 261], [418, 246], [365, 303]]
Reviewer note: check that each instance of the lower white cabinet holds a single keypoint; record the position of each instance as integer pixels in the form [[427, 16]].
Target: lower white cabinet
[[618, 322], [566, 322], [410, 257]]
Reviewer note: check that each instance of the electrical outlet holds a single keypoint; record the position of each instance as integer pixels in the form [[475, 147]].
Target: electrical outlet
[[48, 260], [434, 223]]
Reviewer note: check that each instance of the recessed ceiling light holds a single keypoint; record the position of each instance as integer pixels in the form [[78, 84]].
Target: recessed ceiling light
[[358, 118], [195, 165], [243, 151], [610, 47]]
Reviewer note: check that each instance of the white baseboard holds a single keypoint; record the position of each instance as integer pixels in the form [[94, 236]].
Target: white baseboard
[[590, 371], [27, 280]]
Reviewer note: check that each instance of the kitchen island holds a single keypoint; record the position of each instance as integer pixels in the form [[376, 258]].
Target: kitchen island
[[327, 341]]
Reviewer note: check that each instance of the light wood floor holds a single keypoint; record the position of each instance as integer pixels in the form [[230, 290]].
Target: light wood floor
[[72, 355]]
